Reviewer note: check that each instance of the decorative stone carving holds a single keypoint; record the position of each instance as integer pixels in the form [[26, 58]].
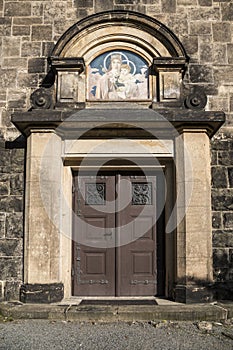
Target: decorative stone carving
[[196, 100], [170, 72], [141, 193], [70, 87], [41, 99]]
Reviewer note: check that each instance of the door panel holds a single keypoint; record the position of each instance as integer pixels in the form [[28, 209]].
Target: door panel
[[126, 226], [136, 261], [94, 222]]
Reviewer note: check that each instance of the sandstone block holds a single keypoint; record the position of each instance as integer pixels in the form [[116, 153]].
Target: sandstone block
[[30, 49], [27, 80], [27, 21], [225, 158], [187, 2], [2, 225], [190, 44], [230, 176], [55, 11], [227, 11], [17, 9], [200, 28], [11, 204], [219, 53], [228, 220], [222, 239], [230, 53], [10, 47], [219, 177], [220, 257], [21, 30], [216, 220], [5, 26], [205, 14], [222, 32], [14, 225], [222, 199], [231, 257], [37, 9], [223, 74], [14, 63], [201, 74], [168, 6], [47, 48], [206, 52], [10, 268], [205, 2], [126, 2], [36, 65], [12, 290], [16, 184], [4, 189], [11, 247], [41, 32], [86, 3]]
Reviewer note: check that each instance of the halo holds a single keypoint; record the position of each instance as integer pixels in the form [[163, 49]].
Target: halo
[[114, 53], [132, 64]]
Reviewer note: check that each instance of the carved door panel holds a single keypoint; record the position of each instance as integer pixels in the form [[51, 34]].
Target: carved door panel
[[114, 244], [94, 223], [136, 267]]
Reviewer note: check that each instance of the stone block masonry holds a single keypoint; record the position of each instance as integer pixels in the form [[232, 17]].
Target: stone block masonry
[[222, 206], [28, 32], [11, 218]]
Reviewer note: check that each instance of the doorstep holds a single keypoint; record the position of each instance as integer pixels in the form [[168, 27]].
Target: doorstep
[[73, 310]]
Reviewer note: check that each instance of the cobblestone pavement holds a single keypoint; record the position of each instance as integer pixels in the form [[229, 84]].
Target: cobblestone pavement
[[44, 334]]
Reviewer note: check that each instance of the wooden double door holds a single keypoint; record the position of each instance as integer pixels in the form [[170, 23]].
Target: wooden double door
[[114, 235]]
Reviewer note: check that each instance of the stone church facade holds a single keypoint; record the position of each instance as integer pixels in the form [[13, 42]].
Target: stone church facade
[[160, 133]]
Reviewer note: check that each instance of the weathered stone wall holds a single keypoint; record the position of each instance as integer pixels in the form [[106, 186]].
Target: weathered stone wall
[[11, 217], [28, 31], [222, 204]]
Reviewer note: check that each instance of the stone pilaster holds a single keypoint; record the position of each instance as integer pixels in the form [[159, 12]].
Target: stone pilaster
[[194, 247], [42, 215]]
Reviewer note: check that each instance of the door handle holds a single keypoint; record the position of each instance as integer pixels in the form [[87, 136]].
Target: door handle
[[108, 234]]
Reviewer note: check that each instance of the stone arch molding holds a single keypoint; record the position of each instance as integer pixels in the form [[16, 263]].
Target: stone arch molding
[[125, 28]]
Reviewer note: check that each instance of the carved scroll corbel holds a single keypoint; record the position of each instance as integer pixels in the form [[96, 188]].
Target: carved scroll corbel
[[42, 98], [196, 98]]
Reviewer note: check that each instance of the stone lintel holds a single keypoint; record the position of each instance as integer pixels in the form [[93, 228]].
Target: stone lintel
[[162, 119], [167, 63], [67, 64], [42, 293]]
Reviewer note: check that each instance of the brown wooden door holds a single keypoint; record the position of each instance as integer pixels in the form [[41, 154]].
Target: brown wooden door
[[136, 261], [114, 248]]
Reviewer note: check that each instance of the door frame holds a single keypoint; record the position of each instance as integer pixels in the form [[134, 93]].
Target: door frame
[[166, 262]]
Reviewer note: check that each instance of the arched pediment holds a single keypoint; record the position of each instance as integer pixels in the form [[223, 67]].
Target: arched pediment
[[114, 28]]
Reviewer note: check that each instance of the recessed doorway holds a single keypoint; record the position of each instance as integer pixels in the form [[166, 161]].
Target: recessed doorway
[[118, 234]]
